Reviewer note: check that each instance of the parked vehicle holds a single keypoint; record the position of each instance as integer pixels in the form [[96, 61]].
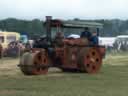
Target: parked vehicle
[[7, 37]]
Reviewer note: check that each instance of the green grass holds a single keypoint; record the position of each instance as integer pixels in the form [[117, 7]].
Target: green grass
[[112, 80]]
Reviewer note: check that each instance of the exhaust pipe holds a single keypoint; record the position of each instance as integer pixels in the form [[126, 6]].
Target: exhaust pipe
[[48, 28]]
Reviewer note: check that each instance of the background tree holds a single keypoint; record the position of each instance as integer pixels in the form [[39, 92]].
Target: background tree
[[35, 27]]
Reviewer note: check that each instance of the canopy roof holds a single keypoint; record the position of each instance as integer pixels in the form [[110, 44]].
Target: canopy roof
[[75, 24]]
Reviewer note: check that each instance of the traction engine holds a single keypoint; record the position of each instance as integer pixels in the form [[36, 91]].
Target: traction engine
[[77, 55]]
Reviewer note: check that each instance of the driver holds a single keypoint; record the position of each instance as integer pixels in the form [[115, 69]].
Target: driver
[[58, 40]]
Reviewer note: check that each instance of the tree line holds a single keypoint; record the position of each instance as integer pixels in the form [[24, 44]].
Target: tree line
[[35, 27]]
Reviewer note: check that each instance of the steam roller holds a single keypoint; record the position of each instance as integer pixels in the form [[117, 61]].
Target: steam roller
[[76, 58], [69, 54]]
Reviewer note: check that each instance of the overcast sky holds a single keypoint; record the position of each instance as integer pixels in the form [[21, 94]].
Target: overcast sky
[[64, 9]]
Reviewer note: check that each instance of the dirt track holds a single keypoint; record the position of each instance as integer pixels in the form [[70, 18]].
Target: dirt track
[[8, 66]]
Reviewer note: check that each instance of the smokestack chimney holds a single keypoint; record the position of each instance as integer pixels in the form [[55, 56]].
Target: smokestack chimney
[[48, 27]]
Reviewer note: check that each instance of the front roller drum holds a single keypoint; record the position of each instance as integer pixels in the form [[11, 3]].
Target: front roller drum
[[34, 63], [91, 60]]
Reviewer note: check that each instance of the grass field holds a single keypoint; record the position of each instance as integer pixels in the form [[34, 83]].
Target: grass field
[[112, 80]]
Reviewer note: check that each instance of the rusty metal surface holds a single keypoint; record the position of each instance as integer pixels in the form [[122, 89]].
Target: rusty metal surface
[[34, 63], [76, 54], [89, 59]]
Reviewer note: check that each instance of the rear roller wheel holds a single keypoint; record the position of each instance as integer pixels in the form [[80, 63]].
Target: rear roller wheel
[[92, 60]]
